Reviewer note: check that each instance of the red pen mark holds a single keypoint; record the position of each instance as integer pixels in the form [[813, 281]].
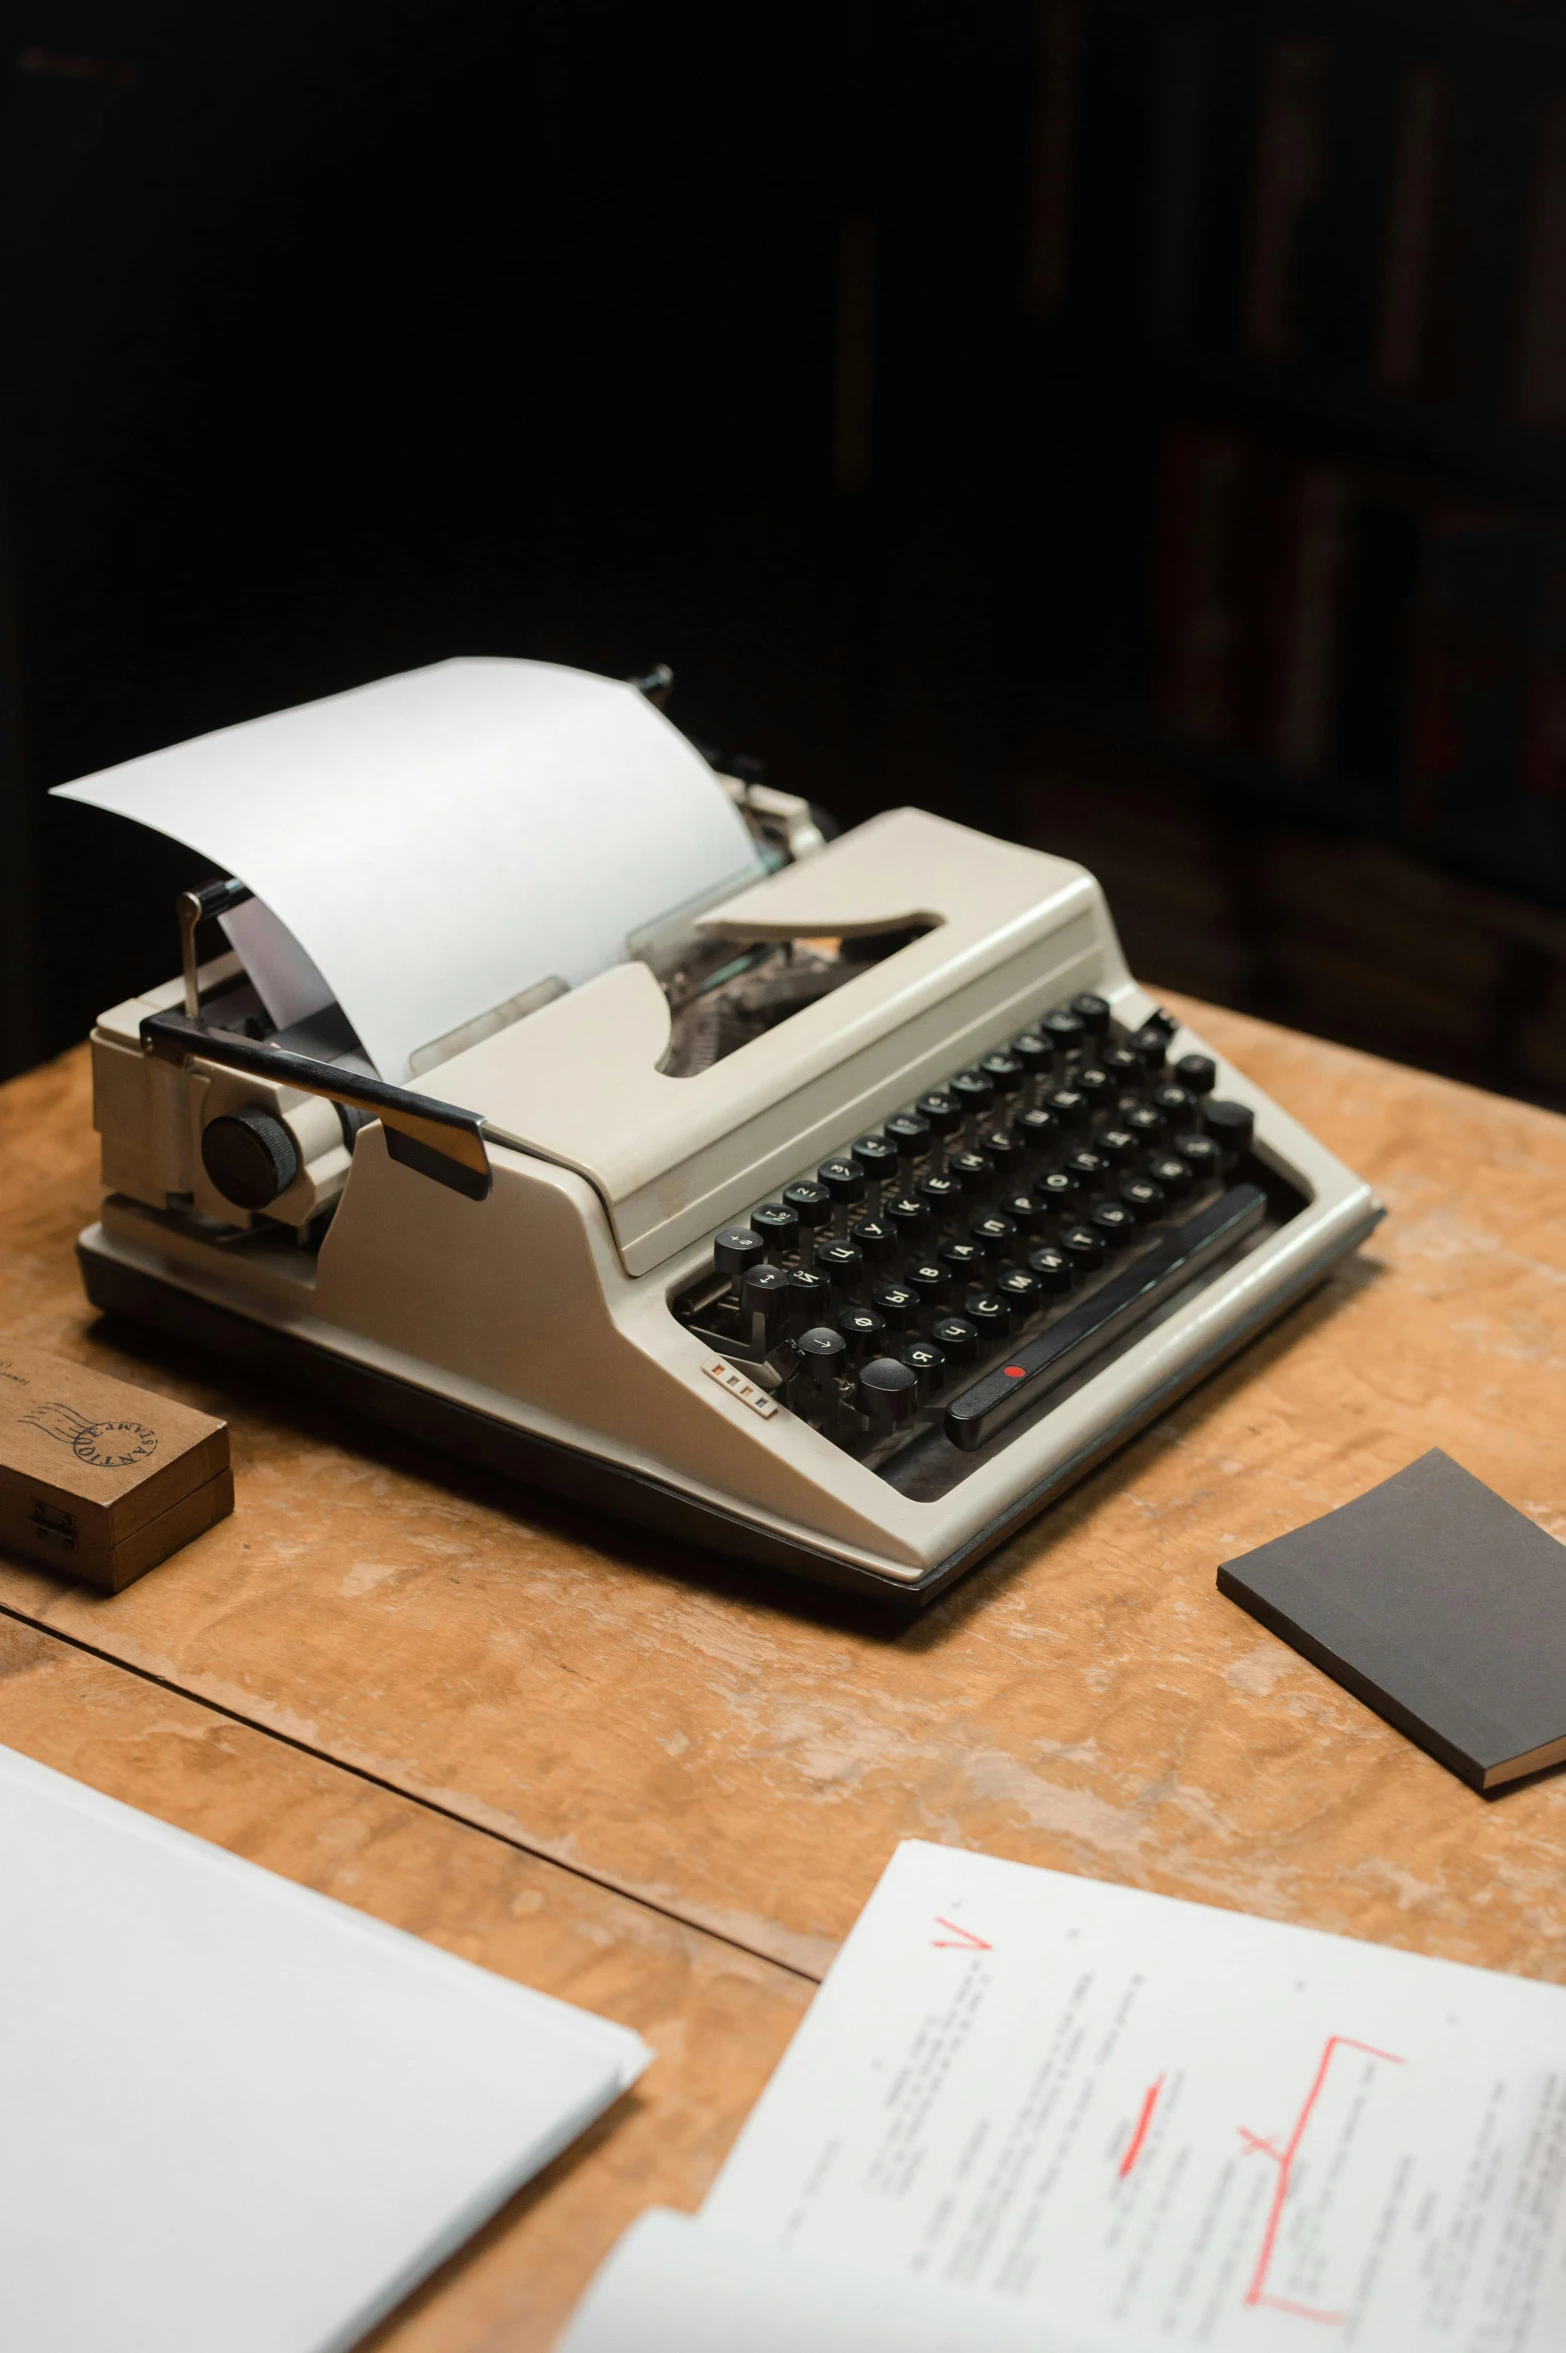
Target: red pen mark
[[1256, 2293], [960, 1940], [1143, 2121]]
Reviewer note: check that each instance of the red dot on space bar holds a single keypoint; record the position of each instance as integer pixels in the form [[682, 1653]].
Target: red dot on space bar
[[1014, 1372]]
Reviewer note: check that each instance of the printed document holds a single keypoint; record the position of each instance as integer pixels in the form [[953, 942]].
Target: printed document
[[1135, 2121]]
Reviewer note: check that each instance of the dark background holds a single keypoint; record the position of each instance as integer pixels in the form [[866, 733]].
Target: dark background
[[1136, 426]]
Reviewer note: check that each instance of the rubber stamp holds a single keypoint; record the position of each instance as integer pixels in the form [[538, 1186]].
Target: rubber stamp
[[100, 1480]]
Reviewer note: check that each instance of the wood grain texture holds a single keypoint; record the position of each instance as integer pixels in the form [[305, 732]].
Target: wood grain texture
[[747, 1754], [718, 2019]]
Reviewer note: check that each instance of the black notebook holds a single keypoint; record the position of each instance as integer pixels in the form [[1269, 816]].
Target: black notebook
[[1436, 1604]]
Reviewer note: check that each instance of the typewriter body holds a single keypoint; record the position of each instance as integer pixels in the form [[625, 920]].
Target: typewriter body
[[838, 1230]]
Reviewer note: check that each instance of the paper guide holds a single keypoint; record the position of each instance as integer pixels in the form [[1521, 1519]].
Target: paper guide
[[440, 843]]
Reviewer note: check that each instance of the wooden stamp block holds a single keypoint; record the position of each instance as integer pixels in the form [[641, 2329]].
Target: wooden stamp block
[[100, 1480]]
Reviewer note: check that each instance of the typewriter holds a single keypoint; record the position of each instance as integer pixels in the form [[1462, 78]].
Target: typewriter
[[837, 1223]]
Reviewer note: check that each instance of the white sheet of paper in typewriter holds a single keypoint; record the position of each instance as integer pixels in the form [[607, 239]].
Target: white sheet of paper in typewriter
[[441, 842]]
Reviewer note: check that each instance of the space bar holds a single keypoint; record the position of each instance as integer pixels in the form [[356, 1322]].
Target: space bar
[[1038, 1365]]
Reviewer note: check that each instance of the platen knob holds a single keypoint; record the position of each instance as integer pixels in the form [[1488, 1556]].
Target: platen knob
[[250, 1156]]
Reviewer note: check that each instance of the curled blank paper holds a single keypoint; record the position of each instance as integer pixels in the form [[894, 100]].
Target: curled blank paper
[[441, 843]]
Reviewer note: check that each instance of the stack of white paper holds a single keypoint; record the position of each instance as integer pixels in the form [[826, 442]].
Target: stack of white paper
[[1032, 2108], [433, 846], [236, 2117]]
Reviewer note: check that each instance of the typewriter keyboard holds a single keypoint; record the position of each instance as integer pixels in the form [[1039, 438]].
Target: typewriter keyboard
[[945, 1275]]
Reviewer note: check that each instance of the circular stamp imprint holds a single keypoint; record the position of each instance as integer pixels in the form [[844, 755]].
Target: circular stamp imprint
[[111, 1446]]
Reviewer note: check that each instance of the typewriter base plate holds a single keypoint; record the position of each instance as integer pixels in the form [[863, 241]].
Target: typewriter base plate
[[596, 1482]]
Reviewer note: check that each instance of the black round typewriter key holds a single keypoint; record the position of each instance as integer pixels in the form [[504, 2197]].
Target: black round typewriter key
[[1198, 1072], [1097, 1085], [877, 1156], [930, 1282], [808, 1295], [1052, 1268], [1071, 1111], [1066, 1031], [956, 1338], [862, 1330], [843, 1180], [1026, 1211], [876, 1240], [736, 1248], [926, 1362], [1085, 1248], [986, 1311], [1144, 1121], [811, 1204], [972, 1170], [1116, 1144], [1150, 1045], [821, 1356], [907, 1216], [1200, 1154], [975, 1091], [1036, 1130], [886, 1393], [1121, 1064], [842, 1265], [1005, 1073], [1177, 1104], [1090, 1169], [940, 1194], [940, 1111], [778, 1226], [992, 1235], [897, 1304], [765, 1296], [1003, 1150], [1166, 1169], [1092, 1011], [1035, 1054], [1059, 1191], [963, 1261], [1231, 1126], [1145, 1199], [1022, 1292], [908, 1135], [1115, 1222]]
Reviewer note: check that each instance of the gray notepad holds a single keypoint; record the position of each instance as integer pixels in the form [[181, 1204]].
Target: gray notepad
[[1435, 1603]]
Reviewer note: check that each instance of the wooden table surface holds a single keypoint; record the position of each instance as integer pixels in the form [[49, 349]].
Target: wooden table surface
[[664, 1786]]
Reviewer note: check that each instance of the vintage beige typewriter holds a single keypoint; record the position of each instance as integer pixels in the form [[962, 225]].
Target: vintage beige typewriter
[[828, 1203]]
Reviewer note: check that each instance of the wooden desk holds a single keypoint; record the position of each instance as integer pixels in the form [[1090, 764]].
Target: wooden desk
[[529, 1691]]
